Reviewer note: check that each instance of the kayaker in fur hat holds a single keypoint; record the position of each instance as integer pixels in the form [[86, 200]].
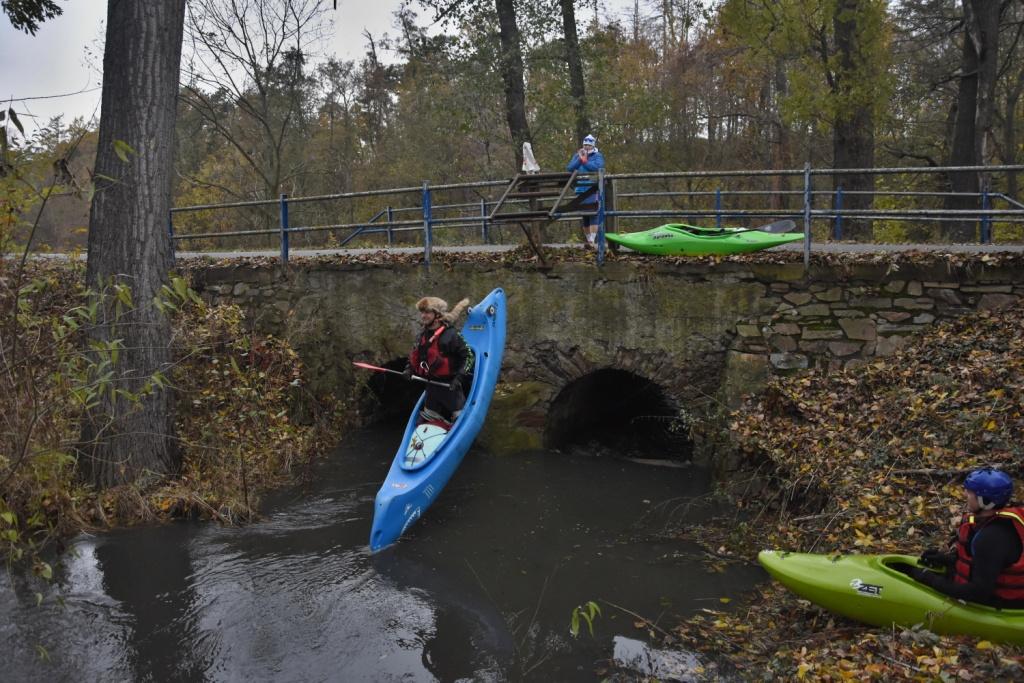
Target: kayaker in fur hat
[[986, 561], [442, 355]]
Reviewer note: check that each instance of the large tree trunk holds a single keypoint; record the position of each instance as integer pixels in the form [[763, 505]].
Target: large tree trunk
[[512, 76], [779, 140], [1010, 132], [853, 131], [128, 239], [975, 102], [984, 33], [577, 87]]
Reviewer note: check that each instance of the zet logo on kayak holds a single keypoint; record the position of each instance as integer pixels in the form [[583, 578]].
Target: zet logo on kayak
[[660, 235], [866, 588]]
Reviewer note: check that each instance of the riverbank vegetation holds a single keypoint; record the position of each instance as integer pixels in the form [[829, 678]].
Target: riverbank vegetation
[[244, 420], [868, 461]]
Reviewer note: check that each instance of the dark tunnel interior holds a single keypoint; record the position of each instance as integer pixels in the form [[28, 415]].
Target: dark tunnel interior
[[616, 412]]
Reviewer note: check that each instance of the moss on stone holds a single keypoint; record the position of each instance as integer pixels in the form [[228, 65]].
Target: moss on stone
[[509, 426]]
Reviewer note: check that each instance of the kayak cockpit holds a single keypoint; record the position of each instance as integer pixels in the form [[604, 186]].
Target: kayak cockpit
[[426, 440]]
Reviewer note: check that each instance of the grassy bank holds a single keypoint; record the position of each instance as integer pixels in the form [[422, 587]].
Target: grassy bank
[[868, 461], [238, 395]]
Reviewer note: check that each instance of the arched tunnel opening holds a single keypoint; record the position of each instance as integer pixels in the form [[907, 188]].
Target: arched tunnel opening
[[614, 411], [607, 412], [390, 397]]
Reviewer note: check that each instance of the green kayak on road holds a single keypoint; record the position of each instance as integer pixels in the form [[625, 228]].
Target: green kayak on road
[[864, 588], [679, 239]]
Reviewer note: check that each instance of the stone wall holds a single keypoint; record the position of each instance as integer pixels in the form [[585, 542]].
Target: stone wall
[[841, 319], [704, 332]]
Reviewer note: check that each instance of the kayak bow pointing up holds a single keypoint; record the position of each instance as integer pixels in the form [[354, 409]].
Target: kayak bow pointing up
[[429, 455]]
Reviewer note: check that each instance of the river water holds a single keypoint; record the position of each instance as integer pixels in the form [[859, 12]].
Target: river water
[[482, 588]]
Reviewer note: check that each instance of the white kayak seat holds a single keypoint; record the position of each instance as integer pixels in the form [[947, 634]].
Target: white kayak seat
[[425, 441]]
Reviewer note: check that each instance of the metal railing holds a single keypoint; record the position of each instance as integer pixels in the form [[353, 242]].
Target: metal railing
[[427, 215]]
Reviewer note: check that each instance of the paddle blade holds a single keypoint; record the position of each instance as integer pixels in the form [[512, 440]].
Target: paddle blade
[[778, 227], [367, 366]]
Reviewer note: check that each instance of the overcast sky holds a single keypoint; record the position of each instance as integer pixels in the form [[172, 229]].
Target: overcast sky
[[66, 55]]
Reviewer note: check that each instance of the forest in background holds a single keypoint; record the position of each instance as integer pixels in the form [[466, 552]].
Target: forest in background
[[450, 95]]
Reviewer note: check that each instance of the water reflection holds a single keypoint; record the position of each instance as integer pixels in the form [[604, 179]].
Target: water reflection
[[462, 613], [148, 576], [481, 589]]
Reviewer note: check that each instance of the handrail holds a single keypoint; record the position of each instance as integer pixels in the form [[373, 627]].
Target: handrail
[[458, 213]]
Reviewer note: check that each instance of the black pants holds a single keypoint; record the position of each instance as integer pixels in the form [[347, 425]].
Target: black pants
[[444, 401]]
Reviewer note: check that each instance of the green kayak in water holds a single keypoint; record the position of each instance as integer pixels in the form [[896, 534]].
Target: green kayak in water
[[679, 239], [864, 588]]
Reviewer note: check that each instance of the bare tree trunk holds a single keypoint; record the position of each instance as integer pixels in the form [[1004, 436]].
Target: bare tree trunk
[[577, 86], [512, 76], [962, 145], [984, 33], [975, 102], [779, 144], [128, 239], [853, 131], [1010, 132], [1014, 89]]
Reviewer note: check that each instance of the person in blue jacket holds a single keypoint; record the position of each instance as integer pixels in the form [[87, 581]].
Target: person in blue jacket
[[587, 160]]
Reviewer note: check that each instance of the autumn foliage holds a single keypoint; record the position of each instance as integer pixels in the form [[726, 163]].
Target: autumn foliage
[[244, 419], [871, 460]]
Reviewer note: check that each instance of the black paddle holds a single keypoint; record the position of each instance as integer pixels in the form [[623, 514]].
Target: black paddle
[[415, 378]]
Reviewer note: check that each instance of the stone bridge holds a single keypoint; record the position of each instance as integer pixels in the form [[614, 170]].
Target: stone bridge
[[634, 352]]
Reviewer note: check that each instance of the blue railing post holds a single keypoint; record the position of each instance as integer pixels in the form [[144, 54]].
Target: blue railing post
[[483, 222], [837, 233], [600, 216], [391, 230], [807, 214], [986, 220], [284, 228], [428, 236], [718, 207]]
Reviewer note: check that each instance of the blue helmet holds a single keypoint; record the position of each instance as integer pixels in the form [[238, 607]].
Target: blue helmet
[[992, 487]]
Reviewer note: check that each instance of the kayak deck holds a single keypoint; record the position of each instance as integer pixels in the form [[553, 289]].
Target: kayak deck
[[865, 588], [426, 441], [680, 239]]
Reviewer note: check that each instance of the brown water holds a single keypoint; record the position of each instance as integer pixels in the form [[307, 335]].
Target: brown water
[[481, 588]]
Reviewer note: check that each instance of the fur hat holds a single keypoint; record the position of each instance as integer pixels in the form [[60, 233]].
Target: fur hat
[[440, 306]]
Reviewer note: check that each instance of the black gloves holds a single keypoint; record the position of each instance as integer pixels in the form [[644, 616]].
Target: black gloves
[[908, 569], [456, 383], [407, 373], [937, 559]]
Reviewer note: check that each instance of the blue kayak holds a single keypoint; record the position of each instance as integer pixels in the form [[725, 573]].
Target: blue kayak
[[429, 455]]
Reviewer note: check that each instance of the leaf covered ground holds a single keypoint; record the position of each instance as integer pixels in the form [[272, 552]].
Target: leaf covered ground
[[871, 460]]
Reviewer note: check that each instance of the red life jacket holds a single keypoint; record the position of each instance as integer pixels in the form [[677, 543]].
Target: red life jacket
[[426, 359], [1010, 583]]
